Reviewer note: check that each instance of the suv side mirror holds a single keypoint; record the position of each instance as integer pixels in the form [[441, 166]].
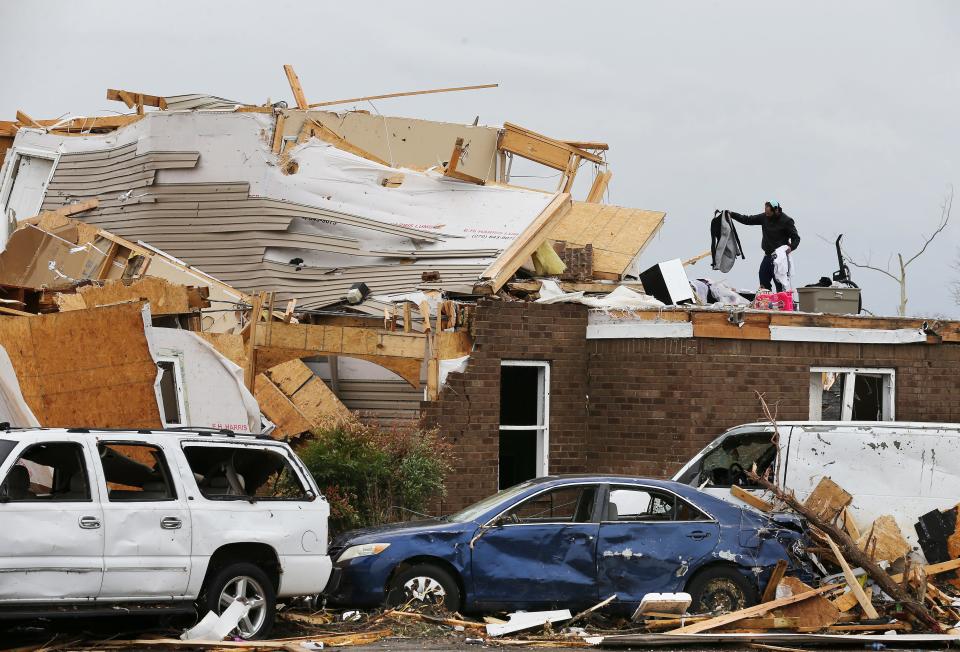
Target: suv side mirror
[[4, 493]]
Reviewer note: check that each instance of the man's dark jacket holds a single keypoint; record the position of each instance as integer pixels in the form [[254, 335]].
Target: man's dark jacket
[[778, 230]]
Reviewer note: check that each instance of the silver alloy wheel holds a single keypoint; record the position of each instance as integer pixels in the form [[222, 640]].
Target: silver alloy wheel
[[425, 589], [249, 590]]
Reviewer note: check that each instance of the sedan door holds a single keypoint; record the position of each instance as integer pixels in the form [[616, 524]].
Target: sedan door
[[52, 535], [649, 540], [541, 552], [147, 523]]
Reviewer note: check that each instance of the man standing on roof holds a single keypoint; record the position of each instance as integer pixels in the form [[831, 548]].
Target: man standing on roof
[[778, 231]]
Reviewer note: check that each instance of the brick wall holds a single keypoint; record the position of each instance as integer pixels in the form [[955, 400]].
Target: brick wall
[[645, 406]]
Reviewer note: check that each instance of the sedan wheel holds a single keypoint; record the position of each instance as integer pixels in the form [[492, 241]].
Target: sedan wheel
[[424, 584], [721, 589]]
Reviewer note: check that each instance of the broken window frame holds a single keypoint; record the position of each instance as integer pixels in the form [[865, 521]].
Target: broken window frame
[[177, 361], [163, 467], [655, 492], [303, 478], [81, 456], [542, 428], [888, 375], [10, 173]]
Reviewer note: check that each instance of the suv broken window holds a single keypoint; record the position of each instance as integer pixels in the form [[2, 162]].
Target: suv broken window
[[229, 472], [135, 472], [52, 471]]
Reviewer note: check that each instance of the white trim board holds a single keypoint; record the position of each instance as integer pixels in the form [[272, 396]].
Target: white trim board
[[846, 335], [630, 330]]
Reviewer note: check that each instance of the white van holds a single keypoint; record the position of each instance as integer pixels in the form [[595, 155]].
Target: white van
[[901, 469]]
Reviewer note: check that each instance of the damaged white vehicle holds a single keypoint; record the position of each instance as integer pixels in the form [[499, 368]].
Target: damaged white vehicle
[[156, 520]]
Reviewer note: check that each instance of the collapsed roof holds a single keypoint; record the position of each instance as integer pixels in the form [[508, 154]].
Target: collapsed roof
[[307, 203]]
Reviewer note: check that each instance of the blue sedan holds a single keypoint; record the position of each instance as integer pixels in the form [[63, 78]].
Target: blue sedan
[[568, 542]]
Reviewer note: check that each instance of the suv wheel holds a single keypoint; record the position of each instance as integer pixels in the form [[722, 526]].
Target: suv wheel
[[243, 581], [424, 584]]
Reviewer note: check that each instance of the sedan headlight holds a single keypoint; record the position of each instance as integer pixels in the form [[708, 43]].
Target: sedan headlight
[[363, 550]]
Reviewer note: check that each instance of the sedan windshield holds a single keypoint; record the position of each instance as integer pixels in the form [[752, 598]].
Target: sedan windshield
[[476, 510]]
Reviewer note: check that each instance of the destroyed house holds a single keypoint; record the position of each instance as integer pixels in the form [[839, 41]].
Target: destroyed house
[[388, 266]]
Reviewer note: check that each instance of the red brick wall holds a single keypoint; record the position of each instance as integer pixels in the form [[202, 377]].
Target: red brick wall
[[645, 406]]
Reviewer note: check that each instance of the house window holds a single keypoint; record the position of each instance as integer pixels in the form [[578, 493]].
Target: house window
[[852, 394], [171, 391], [524, 420]]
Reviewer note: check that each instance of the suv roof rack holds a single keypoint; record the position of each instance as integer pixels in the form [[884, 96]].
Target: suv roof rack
[[197, 430]]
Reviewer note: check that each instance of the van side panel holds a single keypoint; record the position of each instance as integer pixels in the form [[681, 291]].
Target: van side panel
[[902, 472]]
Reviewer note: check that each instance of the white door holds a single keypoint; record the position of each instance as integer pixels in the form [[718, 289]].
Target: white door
[[51, 524], [146, 520], [27, 185]]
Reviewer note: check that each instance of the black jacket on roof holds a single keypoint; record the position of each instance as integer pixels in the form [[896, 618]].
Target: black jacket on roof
[[778, 230]]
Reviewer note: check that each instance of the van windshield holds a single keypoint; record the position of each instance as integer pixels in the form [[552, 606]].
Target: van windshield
[[727, 464]]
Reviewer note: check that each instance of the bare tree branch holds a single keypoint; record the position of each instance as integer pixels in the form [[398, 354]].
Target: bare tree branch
[[944, 219]]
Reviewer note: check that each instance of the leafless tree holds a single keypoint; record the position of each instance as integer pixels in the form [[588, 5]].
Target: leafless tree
[[899, 275]]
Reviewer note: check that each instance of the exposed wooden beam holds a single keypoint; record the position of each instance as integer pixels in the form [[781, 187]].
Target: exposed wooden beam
[[587, 144], [451, 169], [24, 119], [131, 98], [278, 133], [523, 246], [404, 94], [295, 86], [326, 134], [340, 340], [542, 149], [599, 187]]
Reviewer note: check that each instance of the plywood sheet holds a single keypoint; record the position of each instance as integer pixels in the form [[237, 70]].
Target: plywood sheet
[[883, 540], [86, 368], [617, 234], [828, 499], [279, 409]]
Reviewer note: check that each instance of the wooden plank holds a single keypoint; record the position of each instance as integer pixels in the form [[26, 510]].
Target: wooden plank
[[884, 541], [542, 149], [523, 246], [251, 368], [828, 500], [587, 144], [717, 324], [749, 612], [340, 340], [278, 133], [770, 592], [599, 187], [327, 135], [131, 98], [852, 582], [23, 118], [295, 86], [451, 168], [816, 612], [849, 525], [403, 94], [278, 407], [750, 499]]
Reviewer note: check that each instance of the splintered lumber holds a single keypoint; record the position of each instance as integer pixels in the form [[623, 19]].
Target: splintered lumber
[[131, 98], [817, 612], [452, 622], [596, 607], [328, 135], [750, 612], [828, 500], [849, 525], [27, 120], [750, 499], [770, 592], [851, 551], [294, 82], [599, 187], [884, 541], [404, 94], [451, 169], [852, 582]]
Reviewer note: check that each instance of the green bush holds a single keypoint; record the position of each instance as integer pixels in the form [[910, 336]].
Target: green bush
[[371, 475]]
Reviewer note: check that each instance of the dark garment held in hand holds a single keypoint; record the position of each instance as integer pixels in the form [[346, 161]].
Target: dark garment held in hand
[[768, 280], [778, 230]]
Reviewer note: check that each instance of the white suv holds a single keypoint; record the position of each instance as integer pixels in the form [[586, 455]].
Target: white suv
[[157, 520]]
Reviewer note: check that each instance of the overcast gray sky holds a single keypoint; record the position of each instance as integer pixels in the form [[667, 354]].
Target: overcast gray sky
[[846, 112]]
